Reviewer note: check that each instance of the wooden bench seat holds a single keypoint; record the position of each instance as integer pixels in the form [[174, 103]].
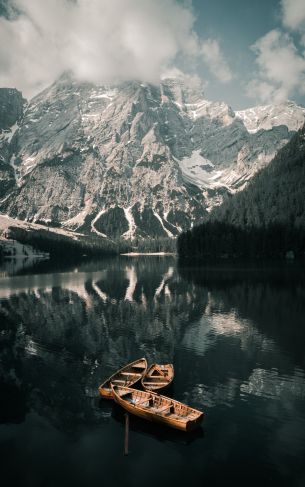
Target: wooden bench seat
[[154, 383], [161, 410]]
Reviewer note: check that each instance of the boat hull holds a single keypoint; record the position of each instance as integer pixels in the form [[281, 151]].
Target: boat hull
[[170, 421], [105, 390], [158, 377]]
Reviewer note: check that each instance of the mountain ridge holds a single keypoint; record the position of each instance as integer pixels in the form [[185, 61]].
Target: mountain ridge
[[133, 160], [266, 220], [275, 194]]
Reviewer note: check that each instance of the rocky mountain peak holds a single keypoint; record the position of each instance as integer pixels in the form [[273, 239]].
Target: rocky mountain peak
[[135, 159], [183, 90], [287, 114]]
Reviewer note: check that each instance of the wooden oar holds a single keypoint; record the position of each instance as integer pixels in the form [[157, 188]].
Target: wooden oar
[[126, 433]]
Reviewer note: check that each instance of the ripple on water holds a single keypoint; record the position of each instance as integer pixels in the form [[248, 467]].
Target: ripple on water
[[270, 384]]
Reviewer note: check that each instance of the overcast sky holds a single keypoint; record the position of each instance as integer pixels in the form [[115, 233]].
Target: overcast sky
[[247, 52]]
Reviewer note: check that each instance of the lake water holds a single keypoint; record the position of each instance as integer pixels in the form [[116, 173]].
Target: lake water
[[236, 338]]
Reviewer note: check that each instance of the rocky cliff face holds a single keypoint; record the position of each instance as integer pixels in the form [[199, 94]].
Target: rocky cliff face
[[11, 107], [134, 159], [11, 112]]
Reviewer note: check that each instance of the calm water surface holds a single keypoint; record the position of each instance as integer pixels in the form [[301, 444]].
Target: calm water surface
[[237, 341]]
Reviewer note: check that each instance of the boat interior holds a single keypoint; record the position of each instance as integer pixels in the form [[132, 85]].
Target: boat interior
[[158, 404], [127, 377], [158, 376]]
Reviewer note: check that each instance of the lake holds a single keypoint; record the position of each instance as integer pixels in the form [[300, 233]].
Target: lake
[[236, 337]]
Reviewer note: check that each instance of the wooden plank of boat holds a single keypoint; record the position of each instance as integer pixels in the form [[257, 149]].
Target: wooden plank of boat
[[127, 376], [154, 407], [158, 377]]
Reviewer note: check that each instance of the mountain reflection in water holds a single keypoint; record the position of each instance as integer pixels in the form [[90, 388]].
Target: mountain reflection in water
[[236, 338]]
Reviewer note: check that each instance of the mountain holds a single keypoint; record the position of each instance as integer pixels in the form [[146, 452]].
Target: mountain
[[267, 219], [132, 160], [275, 194]]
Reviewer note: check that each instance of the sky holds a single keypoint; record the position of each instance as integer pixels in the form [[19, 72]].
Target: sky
[[246, 52]]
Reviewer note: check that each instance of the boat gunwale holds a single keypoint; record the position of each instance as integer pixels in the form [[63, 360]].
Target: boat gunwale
[[142, 359]]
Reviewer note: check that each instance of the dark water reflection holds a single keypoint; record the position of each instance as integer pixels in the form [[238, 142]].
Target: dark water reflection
[[236, 338]]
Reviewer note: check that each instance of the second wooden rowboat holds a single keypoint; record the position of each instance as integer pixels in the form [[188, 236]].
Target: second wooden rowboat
[[153, 407], [158, 377], [127, 376]]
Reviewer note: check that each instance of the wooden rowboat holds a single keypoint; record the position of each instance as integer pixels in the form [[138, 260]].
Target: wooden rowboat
[[158, 377], [127, 376], [153, 407]]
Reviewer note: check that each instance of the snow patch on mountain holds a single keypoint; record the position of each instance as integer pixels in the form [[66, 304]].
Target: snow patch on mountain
[[200, 171], [266, 117], [131, 224], [78, 220], [93, 228], [168, 232], [8, 134]]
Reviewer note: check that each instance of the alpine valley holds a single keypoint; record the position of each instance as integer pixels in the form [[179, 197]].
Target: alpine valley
[[132, 160]]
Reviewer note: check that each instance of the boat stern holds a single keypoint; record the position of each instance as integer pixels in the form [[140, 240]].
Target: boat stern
[[193, 424], [105, 393]]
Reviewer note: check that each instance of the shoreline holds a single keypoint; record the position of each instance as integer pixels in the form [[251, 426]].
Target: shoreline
[[136, 254]]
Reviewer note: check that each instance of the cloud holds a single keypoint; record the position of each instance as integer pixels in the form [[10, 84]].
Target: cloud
[[293, 14], [214, 59], [100, 41], [281, 68], [97, 40], [293, 17], [280, 72]]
